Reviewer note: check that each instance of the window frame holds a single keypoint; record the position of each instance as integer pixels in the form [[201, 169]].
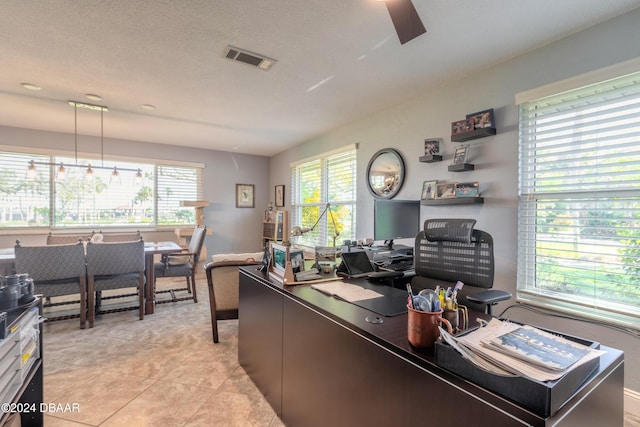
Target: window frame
[[152, 166], [531, 199], [342, 209]]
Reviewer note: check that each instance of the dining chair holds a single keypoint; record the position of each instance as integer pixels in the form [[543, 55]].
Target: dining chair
[[117, 237], [56, 270], [64, 239], [115, 265], [183, 264], [222, 282]]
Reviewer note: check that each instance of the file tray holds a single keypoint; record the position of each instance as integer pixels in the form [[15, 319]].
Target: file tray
[[542, 398]]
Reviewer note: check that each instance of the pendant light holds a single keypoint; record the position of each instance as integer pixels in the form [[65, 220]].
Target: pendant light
[[61, 170]]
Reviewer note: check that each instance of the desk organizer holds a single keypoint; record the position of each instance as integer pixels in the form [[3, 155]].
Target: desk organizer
[[543, 398]]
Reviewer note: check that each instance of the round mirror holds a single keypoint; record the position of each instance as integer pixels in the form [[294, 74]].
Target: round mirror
[[385, 173]]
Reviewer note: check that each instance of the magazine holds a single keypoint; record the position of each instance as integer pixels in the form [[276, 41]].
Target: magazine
[[479, 342], [539, 347]]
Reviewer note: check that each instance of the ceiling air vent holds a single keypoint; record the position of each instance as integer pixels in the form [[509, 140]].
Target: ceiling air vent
[[240, 55]]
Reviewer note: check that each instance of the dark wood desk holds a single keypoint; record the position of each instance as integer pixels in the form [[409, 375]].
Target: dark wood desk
[[319, 362]]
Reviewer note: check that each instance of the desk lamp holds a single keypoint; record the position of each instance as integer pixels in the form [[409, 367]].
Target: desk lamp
[[299, 231]]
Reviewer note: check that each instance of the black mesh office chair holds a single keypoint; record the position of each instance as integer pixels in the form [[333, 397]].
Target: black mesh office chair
[[448, 250]]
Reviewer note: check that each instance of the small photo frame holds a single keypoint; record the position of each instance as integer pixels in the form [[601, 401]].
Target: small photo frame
[[446, 190], [297, 260], [428, 190], [467, 189], [279, 196], [482, 119], [460, 155], [279, 257], [462, 126], [432, 146], [245, 195], [281, 263]]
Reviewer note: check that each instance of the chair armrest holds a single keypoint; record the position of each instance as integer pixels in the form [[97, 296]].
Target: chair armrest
[[232, 263], [490, 296], [184, 253]]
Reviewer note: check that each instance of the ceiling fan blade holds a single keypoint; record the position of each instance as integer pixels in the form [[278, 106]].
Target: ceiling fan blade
[[405, 19]]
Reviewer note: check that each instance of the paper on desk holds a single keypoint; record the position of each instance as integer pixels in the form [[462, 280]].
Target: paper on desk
[[474, 342], [473, 357], [346, 291]]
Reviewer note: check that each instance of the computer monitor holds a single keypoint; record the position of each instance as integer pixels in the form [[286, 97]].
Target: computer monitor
[[395, 219]]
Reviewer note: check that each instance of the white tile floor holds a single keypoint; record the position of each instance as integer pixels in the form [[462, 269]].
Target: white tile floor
[[161, 371]]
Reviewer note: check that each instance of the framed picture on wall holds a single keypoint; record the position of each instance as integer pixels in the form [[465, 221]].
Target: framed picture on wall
[[245, 197], [279, 196]]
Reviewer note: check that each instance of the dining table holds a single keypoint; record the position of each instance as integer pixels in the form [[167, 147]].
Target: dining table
[[151, 249]]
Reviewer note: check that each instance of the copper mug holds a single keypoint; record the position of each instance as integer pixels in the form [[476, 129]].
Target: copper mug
[[423, 327]]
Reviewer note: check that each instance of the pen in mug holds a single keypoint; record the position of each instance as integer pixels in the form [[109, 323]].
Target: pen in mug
[[410, 295]]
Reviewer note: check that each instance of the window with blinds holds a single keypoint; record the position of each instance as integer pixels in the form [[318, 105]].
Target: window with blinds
[[23, 202], [327, 180], [579, 201], [100, 199], [175, 184]]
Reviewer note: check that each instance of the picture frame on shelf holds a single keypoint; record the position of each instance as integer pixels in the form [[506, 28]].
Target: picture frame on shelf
[[279, 196], [461, 126], [245, 196], [277, 228], [428, 190], [446, 190], [432, 146], [482, 119], [467, 189], [460, 155]]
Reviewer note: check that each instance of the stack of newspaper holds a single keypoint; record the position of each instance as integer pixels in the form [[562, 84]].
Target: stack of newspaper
[[506, 348]]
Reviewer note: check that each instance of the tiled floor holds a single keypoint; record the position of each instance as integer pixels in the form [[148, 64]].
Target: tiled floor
[[161, 371]]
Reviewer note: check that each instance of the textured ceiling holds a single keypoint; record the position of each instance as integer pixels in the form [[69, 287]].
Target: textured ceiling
[[338, 61]]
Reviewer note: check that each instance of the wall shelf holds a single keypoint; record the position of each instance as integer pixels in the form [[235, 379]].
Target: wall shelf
[[473, 134], [461, 167], [430, 158], [453, 201]]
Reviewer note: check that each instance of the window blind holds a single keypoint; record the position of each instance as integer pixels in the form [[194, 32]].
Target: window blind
[[579, 200], [175, 184], [24, 201], [103, 200], [327, 179]]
